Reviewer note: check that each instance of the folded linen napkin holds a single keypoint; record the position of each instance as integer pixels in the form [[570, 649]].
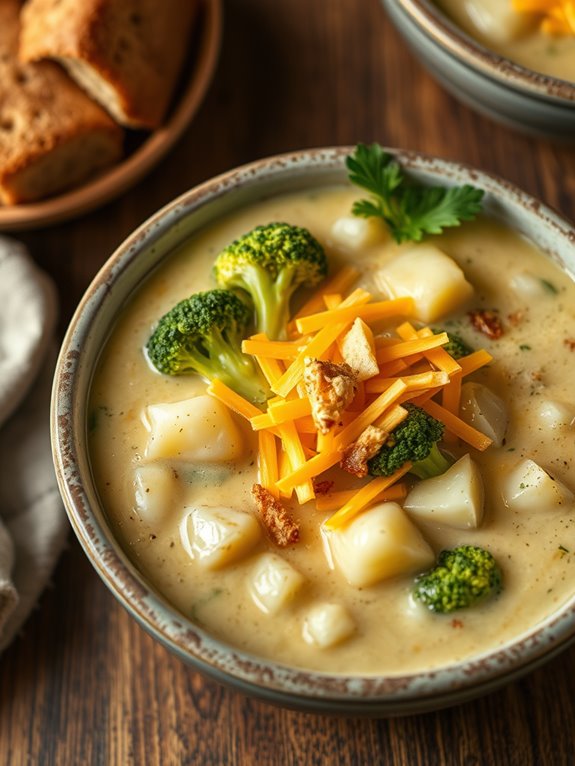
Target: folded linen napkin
[[33, 525]]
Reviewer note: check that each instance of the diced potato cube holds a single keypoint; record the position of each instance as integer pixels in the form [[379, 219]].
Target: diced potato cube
[[495, 21], [455, 498], [429, 276], [557, 414], [274, 583], [200, 429], [528, 286], [327, 624], [216, 537], [356, 233], [485, 411], [382, 542], [358, 350], [156, 490], [530, 489]]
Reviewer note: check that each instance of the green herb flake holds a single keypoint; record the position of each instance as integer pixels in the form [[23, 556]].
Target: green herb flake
[[409, 209], [198, 605], [525, 347], [563, 550], [95, 415], [549, 286]]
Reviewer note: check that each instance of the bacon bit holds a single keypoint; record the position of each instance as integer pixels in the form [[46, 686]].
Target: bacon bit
[[355, 456], [516, 318], [487, 322], [281, 526], [330, 388], [570, 343], [323, 487], [456, 624]]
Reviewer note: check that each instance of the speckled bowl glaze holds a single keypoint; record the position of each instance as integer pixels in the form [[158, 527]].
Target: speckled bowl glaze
[[134, 260], [507, 92]]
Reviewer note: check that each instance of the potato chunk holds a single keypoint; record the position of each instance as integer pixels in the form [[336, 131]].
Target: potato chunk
[[494, 20], [274, 583], [382, 542], [358, 350], [327, 624], [530, 489], [529, 286], [356, 233], [156, 490], [557, 414], [429, 276], [200, 429], [484, 410], [216, 537], [455, 498]]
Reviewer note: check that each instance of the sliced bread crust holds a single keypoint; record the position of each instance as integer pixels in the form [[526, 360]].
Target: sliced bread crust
[[52, 136], [127, 54]]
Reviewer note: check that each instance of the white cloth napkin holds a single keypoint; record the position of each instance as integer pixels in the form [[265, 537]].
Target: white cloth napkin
[[33, 525]]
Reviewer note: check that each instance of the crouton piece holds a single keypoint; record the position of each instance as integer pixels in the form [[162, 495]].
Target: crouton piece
[[355, 456], [358, 350], [330, 388], [281, 526]]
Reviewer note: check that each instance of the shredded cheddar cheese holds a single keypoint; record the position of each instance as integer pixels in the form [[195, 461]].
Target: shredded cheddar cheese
[[411, 365], [557, 17]]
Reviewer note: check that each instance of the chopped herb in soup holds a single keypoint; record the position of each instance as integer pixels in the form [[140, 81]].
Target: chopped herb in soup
[[340, 447]]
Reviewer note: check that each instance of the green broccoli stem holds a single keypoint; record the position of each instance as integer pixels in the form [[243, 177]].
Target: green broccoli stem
[[433, 465], [238, 371], [271, 298]]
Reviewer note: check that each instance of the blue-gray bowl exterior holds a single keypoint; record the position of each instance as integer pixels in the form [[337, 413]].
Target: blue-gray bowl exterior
[[134, 260], [501, 99]]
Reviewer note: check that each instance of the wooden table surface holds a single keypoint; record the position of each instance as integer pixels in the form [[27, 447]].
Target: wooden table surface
[[84, 684]]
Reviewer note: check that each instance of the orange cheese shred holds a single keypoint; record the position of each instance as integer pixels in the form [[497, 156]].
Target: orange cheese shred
[[234, 401], [363, 497], [372, 312], [292, 445], [457, 426], [319, 344], [410, 347], [268, 462], [324, 460], [339, 283], [335, 500]]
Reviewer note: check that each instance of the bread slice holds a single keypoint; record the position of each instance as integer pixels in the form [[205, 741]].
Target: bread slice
[[52, 136], [127, 54]]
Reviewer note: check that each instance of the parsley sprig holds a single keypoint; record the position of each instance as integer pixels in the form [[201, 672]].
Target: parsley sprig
[[410, 210]]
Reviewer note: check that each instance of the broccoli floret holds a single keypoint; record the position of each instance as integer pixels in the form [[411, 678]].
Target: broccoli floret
[[415, 440], [270, 263], [455, 346], [462, 577], [203, 334]]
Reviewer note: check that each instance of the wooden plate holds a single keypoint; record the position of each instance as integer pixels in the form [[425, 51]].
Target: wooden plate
[[145, 150]]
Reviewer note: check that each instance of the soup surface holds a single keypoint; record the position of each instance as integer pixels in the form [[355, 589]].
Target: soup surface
[[533, 372], [514, 36]]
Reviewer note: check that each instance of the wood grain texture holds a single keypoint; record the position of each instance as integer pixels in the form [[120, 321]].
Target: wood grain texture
[[84, 684]]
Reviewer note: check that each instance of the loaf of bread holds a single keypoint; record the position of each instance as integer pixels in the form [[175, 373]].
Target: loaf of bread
[[126, 54], [52, 136]]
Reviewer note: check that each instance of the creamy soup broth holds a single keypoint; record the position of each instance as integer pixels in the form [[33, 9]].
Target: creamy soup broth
[[533, 363], [528, 47]]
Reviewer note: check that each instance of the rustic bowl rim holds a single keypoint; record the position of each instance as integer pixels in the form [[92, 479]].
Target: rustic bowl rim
[[311, 690], [445, 33]]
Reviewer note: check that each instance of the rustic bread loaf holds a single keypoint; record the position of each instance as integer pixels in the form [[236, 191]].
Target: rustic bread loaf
[[127, 54], [52, 136]]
